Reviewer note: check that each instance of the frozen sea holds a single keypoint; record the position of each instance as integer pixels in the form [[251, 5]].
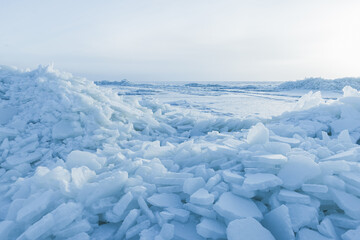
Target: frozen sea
[[124, 160], [231, 99]]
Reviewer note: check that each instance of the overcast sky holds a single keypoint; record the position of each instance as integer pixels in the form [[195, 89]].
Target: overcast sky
[[184, 40]]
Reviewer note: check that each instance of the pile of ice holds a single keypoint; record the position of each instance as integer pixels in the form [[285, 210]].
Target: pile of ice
[[321, 84], [80, 162]]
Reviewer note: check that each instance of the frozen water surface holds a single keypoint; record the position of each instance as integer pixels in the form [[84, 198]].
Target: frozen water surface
[[80, 160]]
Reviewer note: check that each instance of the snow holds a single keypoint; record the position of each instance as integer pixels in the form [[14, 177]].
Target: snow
[[80, 161]]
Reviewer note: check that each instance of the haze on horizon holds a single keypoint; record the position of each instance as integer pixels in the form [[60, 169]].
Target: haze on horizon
[[183, 40]]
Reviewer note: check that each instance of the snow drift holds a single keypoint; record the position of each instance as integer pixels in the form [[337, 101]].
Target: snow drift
[[80, 162]]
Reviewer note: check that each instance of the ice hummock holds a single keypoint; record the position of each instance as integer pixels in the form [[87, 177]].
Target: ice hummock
[[78, 161]]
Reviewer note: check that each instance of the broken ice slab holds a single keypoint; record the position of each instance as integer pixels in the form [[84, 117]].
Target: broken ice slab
[[232, 207], [181, 215], [352, 178], [200, 210], [261, 181], [191, 185], [347, 202], [185, 231], [202, 197], [293, 197], [247, 228], [306, 233], [28, 158], [135, 230], [297, 171], [314, 188], [129, 220], [165, 200], [168, 181], [352, 155], [343, 221], [209, 228], [120, 207], [302, 215], [7, 133], [232, 177], [279, 223], [292, 141], [273, 159]]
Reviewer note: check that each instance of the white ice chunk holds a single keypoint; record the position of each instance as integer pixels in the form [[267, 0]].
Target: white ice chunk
[[293, 197], [35, 207], [302, 215], [80, 158], [202, 211], [165, 200], [185, 231], [351, 234], [291, 141], [347, 202], [209, 228], [232, 177], [144, 207], [258, 134], [297, 171], [129, 220], [181, 215], [80, 236], [122, 204], [247, 228], [232, 207], [59, 218], [213, 181], [351, 155], [343, 221], [65, 129], [193, 184], [277, 147], [279, 223], [81, 175], [6, 229], [327, 228], [166, 232], [202, 197], [135, 230], [314, 188], [261, 181], [306, 234], [351, 177], [274, 159]]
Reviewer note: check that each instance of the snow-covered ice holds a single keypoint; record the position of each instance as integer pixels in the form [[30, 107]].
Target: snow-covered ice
[[83, 161]]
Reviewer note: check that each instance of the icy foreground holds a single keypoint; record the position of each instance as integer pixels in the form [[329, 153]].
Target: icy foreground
[[80, 162]]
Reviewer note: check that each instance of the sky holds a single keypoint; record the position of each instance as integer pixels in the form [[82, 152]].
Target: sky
[[184, 40]]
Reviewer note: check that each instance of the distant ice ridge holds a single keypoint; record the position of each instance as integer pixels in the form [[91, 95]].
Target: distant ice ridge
[[80, 162], [320, 84]]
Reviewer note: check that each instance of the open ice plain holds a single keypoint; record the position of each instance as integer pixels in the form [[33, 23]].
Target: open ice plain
[[83, 161]]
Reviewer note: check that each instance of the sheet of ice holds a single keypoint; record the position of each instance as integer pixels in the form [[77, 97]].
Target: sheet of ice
[[247, 228], [209, 228], [279, 223], [232, 207], [202, 197], [297, 171], [261, 181], [165, 200]]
